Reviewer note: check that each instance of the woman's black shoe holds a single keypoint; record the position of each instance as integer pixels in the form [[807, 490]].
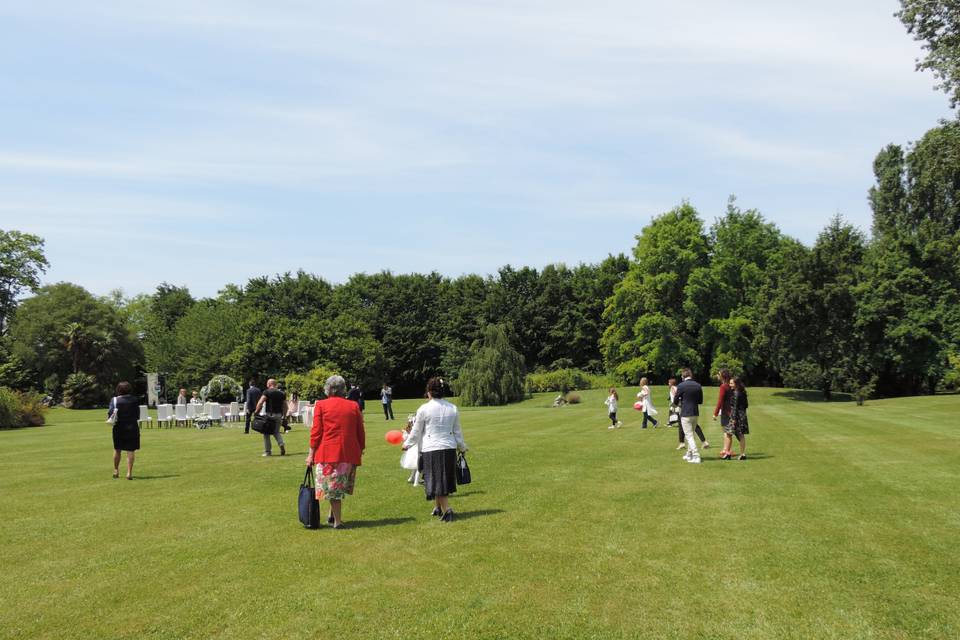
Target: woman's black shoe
[[436, 512], [330, 519], [448, 516]]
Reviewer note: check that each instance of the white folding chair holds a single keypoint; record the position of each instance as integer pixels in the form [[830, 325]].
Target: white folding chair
[[145, 416], [307, 414], [214, 412], [233, 413], [303, 407], [181, 413], [191, 410], [164, 415]]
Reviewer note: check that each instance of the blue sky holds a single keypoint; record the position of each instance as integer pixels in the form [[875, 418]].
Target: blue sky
[[204, 143]]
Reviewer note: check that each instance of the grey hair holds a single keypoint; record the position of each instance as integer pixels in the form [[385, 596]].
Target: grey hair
[[335, 386]]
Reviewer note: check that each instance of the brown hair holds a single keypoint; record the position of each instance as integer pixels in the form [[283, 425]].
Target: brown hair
[[435, 387], [124, 388], [725, 375], [613, 392], [686, 373], [738, 383]]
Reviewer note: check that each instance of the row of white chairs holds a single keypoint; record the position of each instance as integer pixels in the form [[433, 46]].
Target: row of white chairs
[[186, 414], [176, 414]]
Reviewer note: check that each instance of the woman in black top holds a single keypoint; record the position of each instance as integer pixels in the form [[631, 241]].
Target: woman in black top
[[126, 428]]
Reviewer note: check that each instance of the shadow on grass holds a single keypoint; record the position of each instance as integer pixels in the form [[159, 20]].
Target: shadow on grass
[[163, 477], [750, 456], [801, 395], [460, 494], [383, 522], [466, 515]]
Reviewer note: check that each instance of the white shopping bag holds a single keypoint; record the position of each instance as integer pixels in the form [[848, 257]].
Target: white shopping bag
[[408, 459]]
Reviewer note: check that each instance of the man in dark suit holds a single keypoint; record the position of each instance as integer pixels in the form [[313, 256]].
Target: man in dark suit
[[253, 396], [689, 397]]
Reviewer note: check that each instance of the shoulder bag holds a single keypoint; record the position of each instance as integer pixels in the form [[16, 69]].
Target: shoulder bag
[[112, 418], [308, 505], [262, 424], [463, 470]]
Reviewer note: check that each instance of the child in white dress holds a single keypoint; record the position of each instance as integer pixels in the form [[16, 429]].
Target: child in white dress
[[611, 403]]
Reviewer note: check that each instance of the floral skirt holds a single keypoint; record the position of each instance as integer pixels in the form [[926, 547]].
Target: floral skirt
[[335, 480]]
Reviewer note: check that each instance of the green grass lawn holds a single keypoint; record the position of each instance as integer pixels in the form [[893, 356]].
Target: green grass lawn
[[844, 524]]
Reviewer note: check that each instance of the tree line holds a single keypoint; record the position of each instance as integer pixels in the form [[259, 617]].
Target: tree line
[[875, 314]]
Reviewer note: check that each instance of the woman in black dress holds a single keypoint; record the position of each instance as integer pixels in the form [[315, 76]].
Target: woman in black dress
[[126, 428]]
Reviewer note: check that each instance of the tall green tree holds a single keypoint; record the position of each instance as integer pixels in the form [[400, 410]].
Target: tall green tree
[[809, 323], [64, 329], [647, 332], [22, 262]]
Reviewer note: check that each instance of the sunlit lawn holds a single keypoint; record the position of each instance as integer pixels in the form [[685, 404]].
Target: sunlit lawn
[[843, 524]]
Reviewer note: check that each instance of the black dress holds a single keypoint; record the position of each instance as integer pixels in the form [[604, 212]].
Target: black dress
[[126, 430]]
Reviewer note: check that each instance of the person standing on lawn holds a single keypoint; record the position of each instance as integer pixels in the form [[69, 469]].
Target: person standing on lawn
[[689, 397], [737, 426], [276, 404], [723, 409], [253, 397], [386, 397]]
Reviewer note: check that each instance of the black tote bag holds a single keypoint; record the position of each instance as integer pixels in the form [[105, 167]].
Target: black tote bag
[[463, 470], [308, 505], [262, 424]]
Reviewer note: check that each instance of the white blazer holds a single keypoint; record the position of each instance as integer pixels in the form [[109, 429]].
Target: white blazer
[[436, 427]]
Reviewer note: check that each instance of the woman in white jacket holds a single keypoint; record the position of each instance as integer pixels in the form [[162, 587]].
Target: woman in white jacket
[[436, 429], [648, 409]]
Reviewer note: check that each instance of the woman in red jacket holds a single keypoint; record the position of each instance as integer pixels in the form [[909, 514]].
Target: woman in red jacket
[[337, 441]]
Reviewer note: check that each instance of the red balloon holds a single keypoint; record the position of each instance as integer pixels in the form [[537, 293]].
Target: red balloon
[[395, 436], [638, 406]]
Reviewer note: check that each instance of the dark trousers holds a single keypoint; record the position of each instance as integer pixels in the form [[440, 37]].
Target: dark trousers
[[388, 411], [613, 418], [699, 433], [246, 427], [646, 416]]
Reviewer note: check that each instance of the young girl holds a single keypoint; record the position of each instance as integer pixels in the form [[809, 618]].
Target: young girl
[[737, 425], [648, 409], [611, 403], [415, 473]]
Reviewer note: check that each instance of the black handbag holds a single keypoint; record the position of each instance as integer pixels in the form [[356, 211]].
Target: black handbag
[[308, 505], [463, 470], [262, 424]]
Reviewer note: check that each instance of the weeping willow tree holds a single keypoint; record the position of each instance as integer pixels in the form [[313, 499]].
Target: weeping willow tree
[[493, 374]]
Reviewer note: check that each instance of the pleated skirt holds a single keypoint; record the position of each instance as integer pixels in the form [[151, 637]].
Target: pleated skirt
[[439, 473]]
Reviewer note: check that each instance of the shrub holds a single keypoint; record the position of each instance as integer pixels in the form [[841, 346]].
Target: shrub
[[309, 385], [20, 409], [81, 391], [564, 380], [573, 398]]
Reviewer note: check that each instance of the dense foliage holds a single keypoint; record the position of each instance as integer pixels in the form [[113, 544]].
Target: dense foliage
[[493, 374], [20, 409]]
